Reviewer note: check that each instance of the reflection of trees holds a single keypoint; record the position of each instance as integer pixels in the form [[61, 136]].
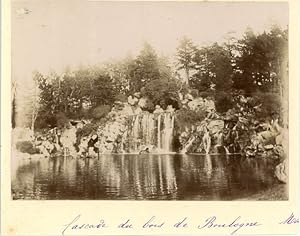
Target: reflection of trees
[[23, 185], [140, 177], [137, 176], [208, 166]]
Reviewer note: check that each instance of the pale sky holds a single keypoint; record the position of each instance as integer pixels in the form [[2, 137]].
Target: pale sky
[[55, 34]]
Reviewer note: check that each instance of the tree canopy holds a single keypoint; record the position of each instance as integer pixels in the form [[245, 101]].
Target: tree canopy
[[252, 65]]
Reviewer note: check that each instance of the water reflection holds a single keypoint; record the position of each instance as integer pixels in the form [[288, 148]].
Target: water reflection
[[157, 177]]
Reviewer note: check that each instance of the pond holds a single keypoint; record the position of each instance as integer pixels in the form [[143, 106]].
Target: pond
[[141, 177]]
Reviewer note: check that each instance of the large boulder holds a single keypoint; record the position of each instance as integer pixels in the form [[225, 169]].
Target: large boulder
[[143, 102], [189, 97], [196, 104], [215, 126], [282, 139], [22, 134], [158, 109], [68, 139], [281, 171], [132, 100], [209, 105], [170, 108]]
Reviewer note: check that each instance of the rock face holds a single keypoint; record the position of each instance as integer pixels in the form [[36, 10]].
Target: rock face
[[200, 104], [215, 126], [281, 171], [110, 134], [22, 134], [130, 129], [203, 137], [68, 139]]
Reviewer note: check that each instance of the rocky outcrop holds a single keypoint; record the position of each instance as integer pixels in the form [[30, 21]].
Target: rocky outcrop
[[281, 171], [110, 134], [68, 140]]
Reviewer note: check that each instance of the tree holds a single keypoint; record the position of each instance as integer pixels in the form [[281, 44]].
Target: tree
[[259, 65], [103, 92], [13, 103], [213, 69], [185, 56], [145, 68], [162, 92], [119, 72]]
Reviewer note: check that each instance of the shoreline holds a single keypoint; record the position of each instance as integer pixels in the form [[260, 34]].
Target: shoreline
[[276, 192]]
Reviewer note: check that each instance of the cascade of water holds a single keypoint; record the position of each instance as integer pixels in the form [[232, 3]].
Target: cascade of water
[[158, 132], [226, 150], [206, 139], [136, 132], [168, 132], [150, 131]]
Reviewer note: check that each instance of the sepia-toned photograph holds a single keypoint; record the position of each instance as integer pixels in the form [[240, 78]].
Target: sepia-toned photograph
[[120, 100]]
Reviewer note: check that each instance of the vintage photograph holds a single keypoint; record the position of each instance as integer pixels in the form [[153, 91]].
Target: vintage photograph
[[116, 100]]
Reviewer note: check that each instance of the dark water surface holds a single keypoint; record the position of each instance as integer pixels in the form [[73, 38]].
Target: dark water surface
[[148, 177]]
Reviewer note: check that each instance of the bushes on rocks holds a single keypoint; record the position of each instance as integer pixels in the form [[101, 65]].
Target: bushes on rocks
[[268, 103], [26, 147], [186, 117], [223, 102], [100, 111], [162, 92]]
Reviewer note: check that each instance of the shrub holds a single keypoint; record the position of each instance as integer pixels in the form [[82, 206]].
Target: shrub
[[100, 111], [87, 130], [162, 92], [121, 97], [45, 120], [270, 104], [223, 101], [26, 147], [194, 93], [205, 94], [61, 120], [186, 117]]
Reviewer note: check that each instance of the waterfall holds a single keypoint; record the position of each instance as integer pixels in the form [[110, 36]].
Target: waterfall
[[152, 131], [158, 132]]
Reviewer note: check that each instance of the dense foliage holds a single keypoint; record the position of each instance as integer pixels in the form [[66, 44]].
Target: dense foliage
[[254, 65]]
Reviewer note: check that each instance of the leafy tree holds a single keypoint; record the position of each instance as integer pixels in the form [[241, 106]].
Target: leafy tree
[[103, 92], [223, 101], [162, 92], [213, 69], [185, 55], [259, 65], [186, 117], [13, 103], [145, 69], [119, 72]]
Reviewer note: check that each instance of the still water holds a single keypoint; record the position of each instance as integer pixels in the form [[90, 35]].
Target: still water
[[141, 177]]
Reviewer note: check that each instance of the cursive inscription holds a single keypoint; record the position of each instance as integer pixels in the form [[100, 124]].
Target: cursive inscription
[[152, 223], [290, 220], [73, 226], [211, 223], [236, 224], [182, 223], [125, 225]]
